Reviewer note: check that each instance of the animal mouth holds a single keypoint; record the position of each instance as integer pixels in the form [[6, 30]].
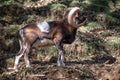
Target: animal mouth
[[81, 21]]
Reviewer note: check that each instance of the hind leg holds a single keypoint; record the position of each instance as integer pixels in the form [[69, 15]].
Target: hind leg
[[23, 48], [27, 62]]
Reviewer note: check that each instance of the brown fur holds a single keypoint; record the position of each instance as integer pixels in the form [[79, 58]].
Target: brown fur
[[61, 32]]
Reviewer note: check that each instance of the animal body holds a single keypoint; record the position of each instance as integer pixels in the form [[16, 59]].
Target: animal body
[[55, 33]]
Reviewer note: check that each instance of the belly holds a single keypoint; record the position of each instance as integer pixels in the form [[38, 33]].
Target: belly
[[43, 43]]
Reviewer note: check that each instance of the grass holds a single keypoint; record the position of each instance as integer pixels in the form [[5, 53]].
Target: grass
[[45, 54], [113, 45], [112, 41], [75, 3], [7, 1], [58, 6], [90, 27], [13, 29], [57, 9], [93, 25], [105, 33], [117, 28], [10, 60]]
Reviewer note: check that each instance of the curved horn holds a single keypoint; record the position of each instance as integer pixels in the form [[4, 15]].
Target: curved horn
[[71, 16], [65, 15]]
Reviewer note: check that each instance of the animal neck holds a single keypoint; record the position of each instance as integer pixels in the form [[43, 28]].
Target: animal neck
[[69, 26]]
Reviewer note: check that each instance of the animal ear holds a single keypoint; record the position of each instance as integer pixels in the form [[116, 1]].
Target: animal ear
[[77, 15]]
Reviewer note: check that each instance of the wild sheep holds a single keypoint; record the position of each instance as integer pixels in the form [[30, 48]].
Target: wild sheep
[[50, 33]]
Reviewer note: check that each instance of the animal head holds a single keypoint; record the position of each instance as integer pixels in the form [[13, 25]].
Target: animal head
[[75, 18]]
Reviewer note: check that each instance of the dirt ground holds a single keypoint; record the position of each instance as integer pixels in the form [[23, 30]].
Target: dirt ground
[[103, 67]]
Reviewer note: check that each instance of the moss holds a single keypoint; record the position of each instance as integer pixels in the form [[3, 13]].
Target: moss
[[105, 33], [92, 26], [117, 28], [7, 1], [58, 6], [12, 30], [112, 41], [110, 20], [75, 3], [57, 9]]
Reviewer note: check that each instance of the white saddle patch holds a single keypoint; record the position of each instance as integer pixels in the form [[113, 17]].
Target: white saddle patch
[[44, 27]]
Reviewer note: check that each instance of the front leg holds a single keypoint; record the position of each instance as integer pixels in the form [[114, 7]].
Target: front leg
[[61, 53], [60, 61]]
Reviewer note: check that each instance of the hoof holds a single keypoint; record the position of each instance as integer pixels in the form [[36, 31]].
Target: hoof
[[28, 66], [61, 63], [14, 69]]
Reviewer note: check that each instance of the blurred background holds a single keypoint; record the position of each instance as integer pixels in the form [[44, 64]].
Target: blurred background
[[99, 40]]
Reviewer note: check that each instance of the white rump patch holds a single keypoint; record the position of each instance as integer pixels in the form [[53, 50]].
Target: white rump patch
[[44, 27]]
